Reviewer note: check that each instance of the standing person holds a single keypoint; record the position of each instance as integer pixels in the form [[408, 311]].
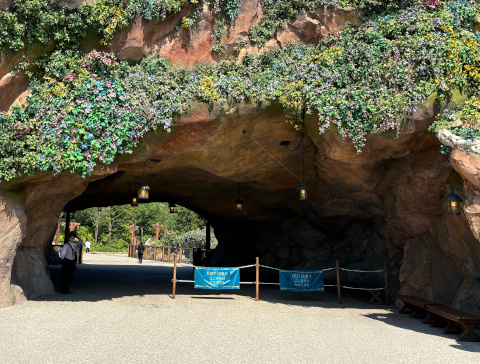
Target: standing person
[[140, 250], [79, 246], [69, 258], [87, 246]]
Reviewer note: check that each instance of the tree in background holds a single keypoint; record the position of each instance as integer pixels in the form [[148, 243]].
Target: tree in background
[[107, 227]]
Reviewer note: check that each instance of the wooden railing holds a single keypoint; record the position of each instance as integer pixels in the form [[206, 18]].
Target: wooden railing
[[155, 253]]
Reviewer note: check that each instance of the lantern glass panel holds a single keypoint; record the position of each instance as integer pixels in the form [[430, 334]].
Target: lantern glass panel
[[453, 208], [302, 194], [143, 193]]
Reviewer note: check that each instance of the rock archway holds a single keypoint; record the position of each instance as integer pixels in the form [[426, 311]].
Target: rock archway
[[384, 204]]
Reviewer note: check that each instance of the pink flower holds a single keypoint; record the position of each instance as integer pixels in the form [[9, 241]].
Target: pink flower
[[432, 3]]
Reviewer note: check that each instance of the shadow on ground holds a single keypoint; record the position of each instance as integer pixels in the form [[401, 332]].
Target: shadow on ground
[[96, 282], [100, 281], [414, 324]]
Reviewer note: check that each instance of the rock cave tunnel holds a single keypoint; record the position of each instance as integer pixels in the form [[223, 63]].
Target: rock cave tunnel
[[363, 209]]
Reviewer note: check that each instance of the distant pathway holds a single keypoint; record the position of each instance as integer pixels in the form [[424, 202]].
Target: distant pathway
[[121, 312]]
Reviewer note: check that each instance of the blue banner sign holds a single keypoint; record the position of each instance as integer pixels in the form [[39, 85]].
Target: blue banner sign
[[301, 280], [217, 278]]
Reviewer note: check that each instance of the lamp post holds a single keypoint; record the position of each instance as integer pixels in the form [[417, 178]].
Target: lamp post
[[453, 202], [171, 208]]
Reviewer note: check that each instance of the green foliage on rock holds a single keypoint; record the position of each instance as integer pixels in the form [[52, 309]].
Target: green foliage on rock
[[86, 109]]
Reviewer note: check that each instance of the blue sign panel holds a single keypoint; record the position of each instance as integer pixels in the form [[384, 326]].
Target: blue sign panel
[[217, 278], [301, 280]]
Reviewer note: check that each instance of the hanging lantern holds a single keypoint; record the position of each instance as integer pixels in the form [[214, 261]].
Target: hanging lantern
[[144, 188], [143, 191], [302, 191], [171, 207], [134, 201], [453, 202], [239, 204]]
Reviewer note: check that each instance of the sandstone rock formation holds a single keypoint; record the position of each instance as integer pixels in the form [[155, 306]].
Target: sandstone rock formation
[[384, 204], [13, 223]]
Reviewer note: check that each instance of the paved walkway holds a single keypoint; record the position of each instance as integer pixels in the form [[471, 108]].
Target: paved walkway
[[121, 312]]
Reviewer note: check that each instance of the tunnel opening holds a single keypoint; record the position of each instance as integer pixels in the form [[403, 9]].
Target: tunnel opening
[[113, 228]]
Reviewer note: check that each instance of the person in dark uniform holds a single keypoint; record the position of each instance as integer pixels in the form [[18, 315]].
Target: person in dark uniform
[[69, 259], [140, 249]]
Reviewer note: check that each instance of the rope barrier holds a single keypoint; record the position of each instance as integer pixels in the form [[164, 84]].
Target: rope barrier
[[327, 269], [322, 270], [361, 271], [266, 266], [337, 285], [364, 289]]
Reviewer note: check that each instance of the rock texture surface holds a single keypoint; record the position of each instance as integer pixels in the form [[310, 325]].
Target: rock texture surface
[[383, 205], [13, 224]]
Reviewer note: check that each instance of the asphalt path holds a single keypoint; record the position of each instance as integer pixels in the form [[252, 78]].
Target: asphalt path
[[122, 312]]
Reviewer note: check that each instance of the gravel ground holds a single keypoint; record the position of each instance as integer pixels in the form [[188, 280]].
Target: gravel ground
[[121, 312]]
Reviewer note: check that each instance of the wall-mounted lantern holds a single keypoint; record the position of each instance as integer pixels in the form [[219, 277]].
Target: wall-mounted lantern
[[453, 202]]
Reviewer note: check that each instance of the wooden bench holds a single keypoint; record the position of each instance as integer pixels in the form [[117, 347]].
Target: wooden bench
[[417, 306], [455, 318]]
